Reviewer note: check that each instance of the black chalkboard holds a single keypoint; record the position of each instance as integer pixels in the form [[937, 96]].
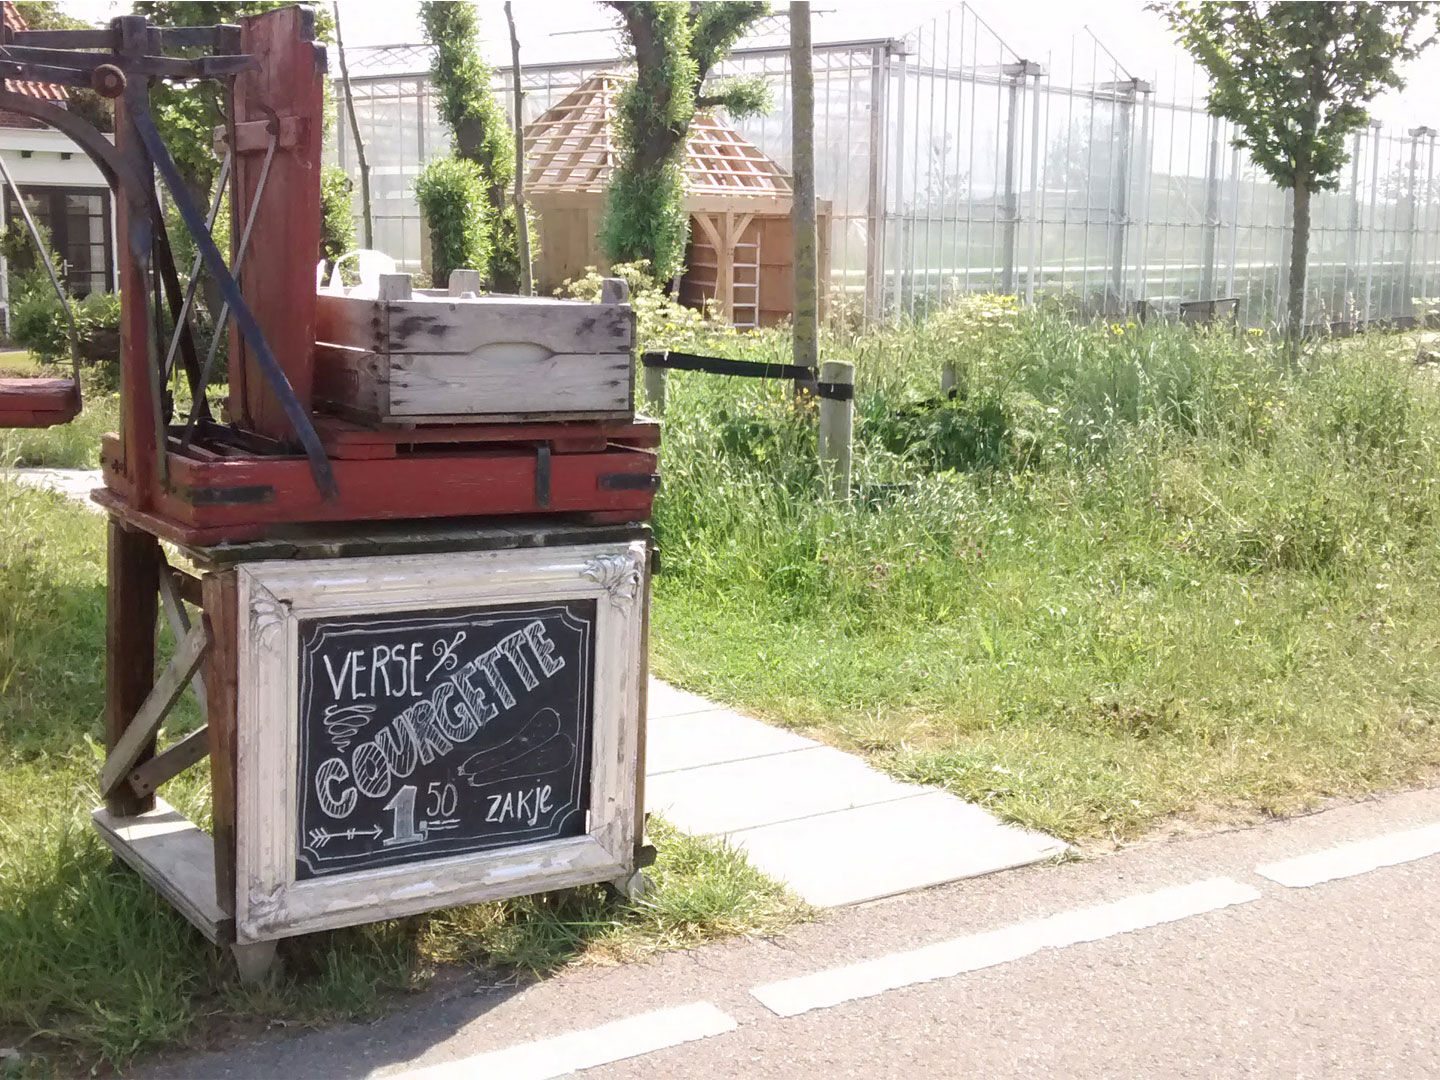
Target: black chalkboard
[[424, 736]]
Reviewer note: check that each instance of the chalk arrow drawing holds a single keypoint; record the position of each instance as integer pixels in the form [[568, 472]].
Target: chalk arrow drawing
[[320, 837]]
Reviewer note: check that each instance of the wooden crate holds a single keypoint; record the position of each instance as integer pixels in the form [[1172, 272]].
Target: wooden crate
[[429, 357]]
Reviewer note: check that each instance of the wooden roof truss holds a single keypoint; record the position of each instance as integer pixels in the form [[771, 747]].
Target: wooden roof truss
[[570, 149]]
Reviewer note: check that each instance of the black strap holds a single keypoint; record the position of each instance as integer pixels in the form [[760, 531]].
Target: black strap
[[719, 365]]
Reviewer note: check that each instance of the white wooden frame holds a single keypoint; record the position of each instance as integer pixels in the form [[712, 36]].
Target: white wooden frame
[[275, 595]]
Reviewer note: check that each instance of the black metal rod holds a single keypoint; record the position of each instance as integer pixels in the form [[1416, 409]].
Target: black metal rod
[[274, 374]]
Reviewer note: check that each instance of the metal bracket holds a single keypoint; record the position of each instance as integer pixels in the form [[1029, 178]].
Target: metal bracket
[[628, 482], [245, 319], [542, 475]]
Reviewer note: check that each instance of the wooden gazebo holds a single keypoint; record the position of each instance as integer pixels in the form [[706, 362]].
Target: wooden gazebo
[[741, 248]]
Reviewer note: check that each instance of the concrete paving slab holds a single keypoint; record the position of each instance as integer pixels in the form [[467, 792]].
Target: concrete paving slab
[[868, 852], [710, 738], [73, 483], [666, 700], [717, 799]]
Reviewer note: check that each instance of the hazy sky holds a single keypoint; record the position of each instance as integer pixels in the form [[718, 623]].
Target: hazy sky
[[1050, 31]]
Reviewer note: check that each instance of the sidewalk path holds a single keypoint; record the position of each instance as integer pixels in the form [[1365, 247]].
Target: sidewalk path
[[76, 483], [832, 828], [823, 822]]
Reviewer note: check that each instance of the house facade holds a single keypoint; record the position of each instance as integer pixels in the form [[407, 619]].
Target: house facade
[[63, 190]]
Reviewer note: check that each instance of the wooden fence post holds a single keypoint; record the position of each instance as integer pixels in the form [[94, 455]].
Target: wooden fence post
[[655, 389], [837, 418]]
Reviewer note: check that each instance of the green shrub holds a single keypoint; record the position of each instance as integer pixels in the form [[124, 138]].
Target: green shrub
[[337, 213], [479, 131], [38, 324], [37, 319], [451, 192], [660, 323]]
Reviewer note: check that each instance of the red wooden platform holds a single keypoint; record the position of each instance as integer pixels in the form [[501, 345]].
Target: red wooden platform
[[38, 403], [217, 493], [344, 439]]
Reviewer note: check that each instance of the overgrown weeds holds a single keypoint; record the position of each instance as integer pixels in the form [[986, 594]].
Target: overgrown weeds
[[1125, 572]]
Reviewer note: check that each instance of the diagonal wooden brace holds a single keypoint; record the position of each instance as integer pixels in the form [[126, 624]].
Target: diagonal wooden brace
[[173, 588], [170, 762], [157, 704]]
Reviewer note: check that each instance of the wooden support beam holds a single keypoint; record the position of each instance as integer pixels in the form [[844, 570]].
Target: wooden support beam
[[187, 586], [172, 599], [139, 736], [174, 855], [169, 763], [221, 683], [131, 599]]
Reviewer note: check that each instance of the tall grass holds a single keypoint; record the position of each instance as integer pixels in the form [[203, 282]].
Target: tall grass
[[1127, 571]]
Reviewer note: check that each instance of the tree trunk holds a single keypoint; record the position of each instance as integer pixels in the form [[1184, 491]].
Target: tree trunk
[[802, 207], [355, 135], [1299, 253], [522, 223], [655, 145]]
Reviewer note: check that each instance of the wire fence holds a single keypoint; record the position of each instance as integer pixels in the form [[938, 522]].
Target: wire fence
[[954, 165]]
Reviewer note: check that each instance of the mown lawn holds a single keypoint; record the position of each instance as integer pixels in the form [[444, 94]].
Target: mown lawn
[[1128, 574]]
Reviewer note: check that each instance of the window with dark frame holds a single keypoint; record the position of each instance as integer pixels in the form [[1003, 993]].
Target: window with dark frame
[[78, 220]]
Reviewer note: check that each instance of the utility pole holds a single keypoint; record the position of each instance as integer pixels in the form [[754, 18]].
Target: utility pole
[[802, 207], [355, 132], [522, 224]]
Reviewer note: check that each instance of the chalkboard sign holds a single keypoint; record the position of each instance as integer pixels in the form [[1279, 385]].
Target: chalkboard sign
[[427, 735]]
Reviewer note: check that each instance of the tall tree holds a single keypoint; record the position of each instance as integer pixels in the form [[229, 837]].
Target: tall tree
[[477, 125], [1295, 78], [674, 46]]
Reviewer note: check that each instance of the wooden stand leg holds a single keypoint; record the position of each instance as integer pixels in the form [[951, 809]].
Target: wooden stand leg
[[254, 961], [643, 857], [637, 885], [220, 691], [132, 604]]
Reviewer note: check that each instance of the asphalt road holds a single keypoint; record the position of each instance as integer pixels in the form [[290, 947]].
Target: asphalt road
[[1338, 979]]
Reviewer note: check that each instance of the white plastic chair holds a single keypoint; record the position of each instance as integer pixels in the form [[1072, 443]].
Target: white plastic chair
[[369, 265]]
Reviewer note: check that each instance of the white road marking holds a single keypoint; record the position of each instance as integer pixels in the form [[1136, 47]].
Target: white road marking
[[1347, 860], [545, 1058], [948, 958]]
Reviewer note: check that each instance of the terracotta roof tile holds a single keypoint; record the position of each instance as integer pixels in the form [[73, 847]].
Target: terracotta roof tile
[[44, 91]]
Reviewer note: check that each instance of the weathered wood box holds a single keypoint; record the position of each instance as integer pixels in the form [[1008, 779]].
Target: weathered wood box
[[438, 357], [509, 761]]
